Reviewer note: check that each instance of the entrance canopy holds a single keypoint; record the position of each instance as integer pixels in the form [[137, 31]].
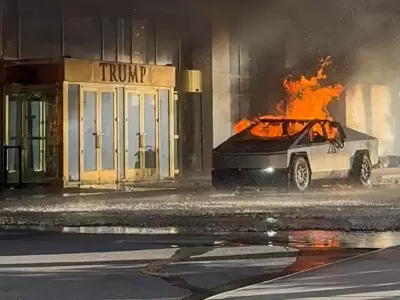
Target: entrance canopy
[[89, 122], [34, 72]]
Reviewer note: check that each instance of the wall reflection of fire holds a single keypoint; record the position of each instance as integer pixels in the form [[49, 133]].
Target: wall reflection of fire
[[331, 240], [373, 240]]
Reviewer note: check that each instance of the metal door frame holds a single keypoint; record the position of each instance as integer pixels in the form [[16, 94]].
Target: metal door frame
[[21, 139], [108, 176], [132, 174], [42, 137], [141, 174], [18, 130], [98, 175], [152, 173]]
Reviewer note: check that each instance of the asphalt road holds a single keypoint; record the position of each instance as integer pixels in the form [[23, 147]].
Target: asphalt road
[[44, 266], [339, 208], [368, 276]]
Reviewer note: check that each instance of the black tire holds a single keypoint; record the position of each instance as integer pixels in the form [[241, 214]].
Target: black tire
[[300, 174], [362, 170]]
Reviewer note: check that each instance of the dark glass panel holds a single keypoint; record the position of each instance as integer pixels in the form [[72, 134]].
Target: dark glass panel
[[10, 33], [40, 28], [82, 30]]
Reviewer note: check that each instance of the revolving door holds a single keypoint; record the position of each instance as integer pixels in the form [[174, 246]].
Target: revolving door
[[30, 135]]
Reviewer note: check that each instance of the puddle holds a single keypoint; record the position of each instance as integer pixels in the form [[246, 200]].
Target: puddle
[[305, 239], [325, 240], [121, 230]]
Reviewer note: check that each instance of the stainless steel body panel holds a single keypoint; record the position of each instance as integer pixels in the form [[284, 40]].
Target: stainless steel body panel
[[318, 159], [330, 162]]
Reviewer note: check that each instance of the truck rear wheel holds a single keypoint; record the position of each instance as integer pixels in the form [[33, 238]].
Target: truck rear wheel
[[362, 170], [300, 175]]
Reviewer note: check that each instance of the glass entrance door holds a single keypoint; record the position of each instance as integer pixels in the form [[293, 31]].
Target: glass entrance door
[[141, 135], [28, 125], [98, 153]]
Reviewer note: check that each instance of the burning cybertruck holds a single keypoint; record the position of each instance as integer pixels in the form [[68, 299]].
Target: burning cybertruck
[[294, 153]]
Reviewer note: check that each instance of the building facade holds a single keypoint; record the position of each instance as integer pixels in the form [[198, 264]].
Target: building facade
[[101, 91], [142, 90]]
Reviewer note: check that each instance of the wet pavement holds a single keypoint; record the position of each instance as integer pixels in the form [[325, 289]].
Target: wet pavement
[[196, 211], [138, 189], [164, 266], [367, 276]]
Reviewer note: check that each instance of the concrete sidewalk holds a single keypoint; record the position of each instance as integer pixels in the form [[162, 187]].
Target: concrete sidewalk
[[383, 176], [137, 189], [372, 276], [386, 176]]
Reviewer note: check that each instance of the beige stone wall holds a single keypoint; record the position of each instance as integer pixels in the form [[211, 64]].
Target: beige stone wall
[[372, 109]]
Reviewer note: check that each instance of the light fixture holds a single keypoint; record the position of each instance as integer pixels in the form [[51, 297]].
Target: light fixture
[[268, 170]]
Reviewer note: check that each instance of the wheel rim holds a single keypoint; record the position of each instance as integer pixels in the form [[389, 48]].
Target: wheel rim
[[365, 171], [302, 175]]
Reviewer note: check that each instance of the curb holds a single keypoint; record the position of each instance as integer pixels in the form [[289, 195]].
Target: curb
[[83, 194], [35, 228], [121, 230], [104, 230], [133, 192]]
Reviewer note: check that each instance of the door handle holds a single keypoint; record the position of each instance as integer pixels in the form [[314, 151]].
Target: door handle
[[139, 136], [98, 140]]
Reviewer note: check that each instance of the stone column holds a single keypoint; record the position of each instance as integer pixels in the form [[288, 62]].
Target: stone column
[[221, 96]]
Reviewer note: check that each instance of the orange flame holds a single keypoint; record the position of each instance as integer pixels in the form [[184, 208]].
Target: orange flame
[[306, 99]]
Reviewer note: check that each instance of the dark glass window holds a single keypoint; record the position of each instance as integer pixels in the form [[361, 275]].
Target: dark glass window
[[240, 70], [234, 55], [40, 28], [10, 33], [150, 43], [167, 43], [82, 30], [110, 38], [143, 40], [139, 38], [1, 26], [245, 60], [124, 40]]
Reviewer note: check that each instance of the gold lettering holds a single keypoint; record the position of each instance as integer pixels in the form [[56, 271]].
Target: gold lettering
[[131, 78], [113, 70], [142, 73], [122, 73], [103, 67]]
